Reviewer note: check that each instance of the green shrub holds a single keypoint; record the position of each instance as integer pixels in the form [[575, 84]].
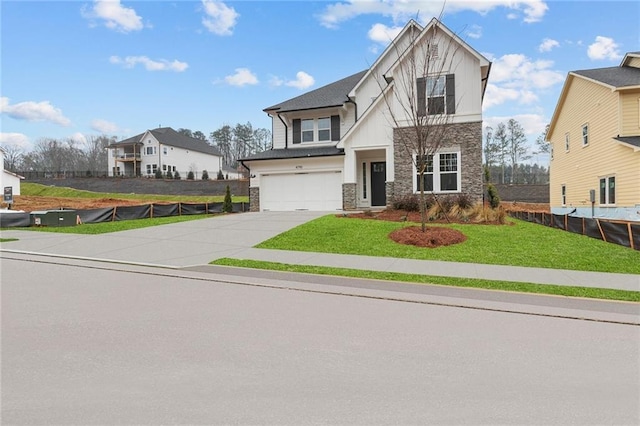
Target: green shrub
[[227, 205], [169, 174], [176, 175], [205, 175], [408, 203], [159, 174], [220, 175], [190, 175], [494, 199]]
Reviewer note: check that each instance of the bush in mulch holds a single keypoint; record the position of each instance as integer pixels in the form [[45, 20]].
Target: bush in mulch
[[432, 237]]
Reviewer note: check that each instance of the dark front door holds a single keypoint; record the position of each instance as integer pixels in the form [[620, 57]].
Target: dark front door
[[378, 183]]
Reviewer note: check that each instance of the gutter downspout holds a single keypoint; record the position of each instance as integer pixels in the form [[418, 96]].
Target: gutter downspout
[[286, 133], [351, 101]]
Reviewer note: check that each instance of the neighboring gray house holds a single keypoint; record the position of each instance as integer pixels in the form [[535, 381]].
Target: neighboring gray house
[[334, 148], [165, 149]]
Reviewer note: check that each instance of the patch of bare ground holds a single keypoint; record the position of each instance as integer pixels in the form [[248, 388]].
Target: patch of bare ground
[[432, 236]]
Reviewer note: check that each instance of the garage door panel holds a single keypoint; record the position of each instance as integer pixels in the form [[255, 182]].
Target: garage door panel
[[301, 191]]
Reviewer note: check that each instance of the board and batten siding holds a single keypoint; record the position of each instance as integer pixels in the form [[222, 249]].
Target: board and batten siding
[[580, 168], [630, 113]]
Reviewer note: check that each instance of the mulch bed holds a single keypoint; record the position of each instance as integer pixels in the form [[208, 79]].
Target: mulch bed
[[431, 237]]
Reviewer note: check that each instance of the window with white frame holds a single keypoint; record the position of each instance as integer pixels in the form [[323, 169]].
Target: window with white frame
[[564, 195], [307, 130], [566, 142], [607, 190], [164, 150], [148, 169], [585, 135], [324, 129], [436, 95], [441, 172], [150, 150]]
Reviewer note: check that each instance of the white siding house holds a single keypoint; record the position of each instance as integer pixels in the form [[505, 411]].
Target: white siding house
[[9, 179], [336, 148], [166, 150]]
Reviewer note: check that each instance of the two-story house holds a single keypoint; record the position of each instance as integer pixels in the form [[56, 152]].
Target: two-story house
[[166, 150], [595, 143], [347, 145]]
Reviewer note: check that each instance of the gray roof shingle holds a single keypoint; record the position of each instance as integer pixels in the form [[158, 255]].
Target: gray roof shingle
[[333, 94], [617, 77], [279, 154], [630, 140], [168, 136]]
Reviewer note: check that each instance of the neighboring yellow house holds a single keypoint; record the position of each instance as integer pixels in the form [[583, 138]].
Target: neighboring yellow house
[[595, 143]]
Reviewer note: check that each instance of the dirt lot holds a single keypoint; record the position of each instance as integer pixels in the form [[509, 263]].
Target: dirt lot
[[34, 203]]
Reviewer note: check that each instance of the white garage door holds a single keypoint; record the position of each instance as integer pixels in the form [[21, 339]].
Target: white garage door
[[301, 191]]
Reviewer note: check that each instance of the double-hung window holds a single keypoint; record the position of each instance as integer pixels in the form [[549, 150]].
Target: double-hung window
[[441, 172], [585, 135], [566, 142], [150, 150], [608, 190], [564, 195], [309, 130], [435, 95]]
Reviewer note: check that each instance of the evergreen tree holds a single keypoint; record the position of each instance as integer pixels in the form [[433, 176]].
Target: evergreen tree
[[227, 205]]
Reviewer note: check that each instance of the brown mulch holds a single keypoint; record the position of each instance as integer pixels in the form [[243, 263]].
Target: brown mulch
[[431, 237]]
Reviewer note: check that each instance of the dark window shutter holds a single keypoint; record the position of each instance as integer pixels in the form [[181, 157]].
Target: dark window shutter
[[422, 96], [335, 127], [451, 93], [297, 130]]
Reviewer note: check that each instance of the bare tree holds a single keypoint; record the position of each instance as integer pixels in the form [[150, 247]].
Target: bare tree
[[13, 156], [95, 153], [261, 140], [418, 100], [518, 148], [502, 145]]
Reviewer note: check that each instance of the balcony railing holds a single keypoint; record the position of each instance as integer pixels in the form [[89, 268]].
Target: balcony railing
[[128, 156]]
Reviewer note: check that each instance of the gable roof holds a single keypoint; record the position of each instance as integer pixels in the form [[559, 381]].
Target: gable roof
[[614, 77], [168, 136], [617, 78], [331, 95]]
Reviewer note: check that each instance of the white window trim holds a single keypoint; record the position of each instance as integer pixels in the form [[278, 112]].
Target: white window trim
[[606, 191], [316, 131], [443, 96], [563, 195], [585, 136], [436, 176]]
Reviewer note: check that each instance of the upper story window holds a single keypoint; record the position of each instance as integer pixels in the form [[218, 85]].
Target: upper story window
[[436, 95], [585, 135], [566, 142], [164, 150], [324, 129], [150, 150]]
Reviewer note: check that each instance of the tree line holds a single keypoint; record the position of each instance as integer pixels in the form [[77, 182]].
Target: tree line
[[89, 157], [506, 152]]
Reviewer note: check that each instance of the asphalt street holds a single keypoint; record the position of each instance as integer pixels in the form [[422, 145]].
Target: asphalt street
[[87, 342]]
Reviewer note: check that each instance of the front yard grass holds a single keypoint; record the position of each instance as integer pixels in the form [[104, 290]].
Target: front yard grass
[[517, 244], [107, 227], [568, 291]]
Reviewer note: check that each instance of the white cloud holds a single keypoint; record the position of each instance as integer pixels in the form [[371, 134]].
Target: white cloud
[[116, 17], [15, 139], [78, 137], [242, 77], [474, 31], [275, 81], [104, 126], [402, 10], [604, 48], [383, 34], [149, 64], [302, 81], [34, 111], [515, 77], [548, 44], [220, 18]]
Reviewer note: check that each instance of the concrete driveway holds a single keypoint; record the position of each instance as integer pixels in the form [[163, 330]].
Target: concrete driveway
[[183, 244]]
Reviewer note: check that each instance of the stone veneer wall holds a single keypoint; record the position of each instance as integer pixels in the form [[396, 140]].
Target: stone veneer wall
[[254, 199], [468, 136], [349, 191]]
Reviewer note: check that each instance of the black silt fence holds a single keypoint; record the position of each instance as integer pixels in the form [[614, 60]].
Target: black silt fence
[[618, 232], [114, 214]]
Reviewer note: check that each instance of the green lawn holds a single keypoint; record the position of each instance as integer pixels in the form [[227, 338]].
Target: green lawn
[[106, 227], [36, 189], [567, 291], [518, 243]]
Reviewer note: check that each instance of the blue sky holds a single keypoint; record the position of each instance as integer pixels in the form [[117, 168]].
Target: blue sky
[[72, 69]]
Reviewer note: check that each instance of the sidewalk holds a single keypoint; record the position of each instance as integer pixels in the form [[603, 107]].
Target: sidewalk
[[198, 242]]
